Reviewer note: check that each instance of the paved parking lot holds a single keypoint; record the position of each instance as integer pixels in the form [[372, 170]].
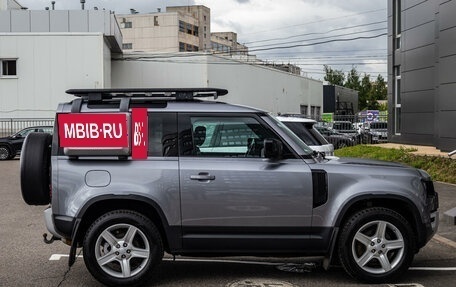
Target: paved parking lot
[[26, 261]]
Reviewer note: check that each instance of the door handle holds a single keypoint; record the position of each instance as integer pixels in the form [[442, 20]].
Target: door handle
[[202, 176]]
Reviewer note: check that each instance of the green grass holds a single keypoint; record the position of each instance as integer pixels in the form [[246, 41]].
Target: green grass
[[440, 168]]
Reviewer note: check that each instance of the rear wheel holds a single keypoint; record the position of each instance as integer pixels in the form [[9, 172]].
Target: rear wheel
[[121, 248], [35, 169], [376, 245]]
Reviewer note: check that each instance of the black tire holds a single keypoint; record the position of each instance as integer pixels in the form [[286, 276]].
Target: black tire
[[5, 152], [35, 169], [114, 226], [376, 245]]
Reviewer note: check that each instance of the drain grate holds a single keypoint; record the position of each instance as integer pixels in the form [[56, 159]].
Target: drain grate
[[260, 283], [406, 285], [297, 268]]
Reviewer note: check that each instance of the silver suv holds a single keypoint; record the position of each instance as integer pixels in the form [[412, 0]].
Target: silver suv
[[132, 173]]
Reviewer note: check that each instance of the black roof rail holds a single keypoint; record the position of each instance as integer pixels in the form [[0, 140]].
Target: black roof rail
[[167, 93]]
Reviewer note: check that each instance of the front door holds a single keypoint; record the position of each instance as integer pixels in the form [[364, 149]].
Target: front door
[[232, 197]]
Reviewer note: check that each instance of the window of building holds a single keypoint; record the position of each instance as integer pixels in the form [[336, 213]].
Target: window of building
[[127, 46], [128, 25], [156, 21], [189, 29], [8, 67], [303, 109], [181, 47], [315, 112], [397, 23], [397, 100], [204, 18], [181, 26], [195, 31]]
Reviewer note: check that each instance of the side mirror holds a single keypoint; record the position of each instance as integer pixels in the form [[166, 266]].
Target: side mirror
[[272, 149]]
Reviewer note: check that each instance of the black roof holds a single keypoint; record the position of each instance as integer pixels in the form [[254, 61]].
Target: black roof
[[174, 93]]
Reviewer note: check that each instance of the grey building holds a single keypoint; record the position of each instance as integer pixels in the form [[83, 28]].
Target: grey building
[[340, 100], [421, 76]]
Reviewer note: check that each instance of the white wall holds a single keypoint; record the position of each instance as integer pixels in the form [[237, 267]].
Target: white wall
[[159, 71], [264, 87], [251, 85], [47, 65]]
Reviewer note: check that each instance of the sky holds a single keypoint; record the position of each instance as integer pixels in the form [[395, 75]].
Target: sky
[[307, 33]]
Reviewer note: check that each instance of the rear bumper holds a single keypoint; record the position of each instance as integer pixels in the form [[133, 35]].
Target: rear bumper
[[48, 219], [59, 226]]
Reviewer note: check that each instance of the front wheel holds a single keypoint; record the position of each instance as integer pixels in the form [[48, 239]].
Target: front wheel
[[5, 153], [376, 245], [121, 248]]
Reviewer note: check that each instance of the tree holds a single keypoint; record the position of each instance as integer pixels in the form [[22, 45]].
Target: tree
[[353, 80], [364, 92], [334, 77]]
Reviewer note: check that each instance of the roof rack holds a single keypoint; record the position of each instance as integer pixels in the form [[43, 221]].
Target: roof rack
[[167, 93]]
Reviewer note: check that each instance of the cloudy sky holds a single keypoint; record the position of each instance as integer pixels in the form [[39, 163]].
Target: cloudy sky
[[308, 33]]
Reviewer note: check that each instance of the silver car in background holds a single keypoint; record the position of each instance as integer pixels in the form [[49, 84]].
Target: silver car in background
[[305, 130]]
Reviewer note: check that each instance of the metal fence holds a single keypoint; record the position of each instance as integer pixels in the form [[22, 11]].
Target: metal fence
[[11, 126]]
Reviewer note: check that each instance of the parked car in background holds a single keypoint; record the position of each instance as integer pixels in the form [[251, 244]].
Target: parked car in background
[[378, 131], [11, 146], [338, 140], [345, 127], [305, 130]]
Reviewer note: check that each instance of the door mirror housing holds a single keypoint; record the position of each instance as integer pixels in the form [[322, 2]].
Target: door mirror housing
[[273, 149]]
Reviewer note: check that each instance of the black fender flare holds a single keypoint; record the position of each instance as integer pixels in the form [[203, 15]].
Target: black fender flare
[[172, 235]]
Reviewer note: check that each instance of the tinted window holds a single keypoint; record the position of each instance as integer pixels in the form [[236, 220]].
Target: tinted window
[[215, 136], [162, 134]]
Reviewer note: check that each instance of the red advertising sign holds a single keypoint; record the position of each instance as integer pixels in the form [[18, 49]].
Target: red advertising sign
[[93, 130], [140, 133]]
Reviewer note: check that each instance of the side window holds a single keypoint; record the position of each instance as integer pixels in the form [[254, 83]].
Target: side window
[[222, 136], [162, 134]]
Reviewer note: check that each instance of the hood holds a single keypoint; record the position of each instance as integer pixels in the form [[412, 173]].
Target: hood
[[366, 162], [5, 139]]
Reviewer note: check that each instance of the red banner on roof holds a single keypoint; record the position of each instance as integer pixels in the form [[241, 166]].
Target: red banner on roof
[[139, 127], [93, 130]]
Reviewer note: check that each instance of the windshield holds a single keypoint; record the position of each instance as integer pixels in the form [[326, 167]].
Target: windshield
[[307, 133], [307, 150]]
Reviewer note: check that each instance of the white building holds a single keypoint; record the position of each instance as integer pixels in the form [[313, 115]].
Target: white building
[[251, 85], [44, 53]]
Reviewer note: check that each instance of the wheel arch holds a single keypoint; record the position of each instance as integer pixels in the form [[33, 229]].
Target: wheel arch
[[146, 206], [399, 204]]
